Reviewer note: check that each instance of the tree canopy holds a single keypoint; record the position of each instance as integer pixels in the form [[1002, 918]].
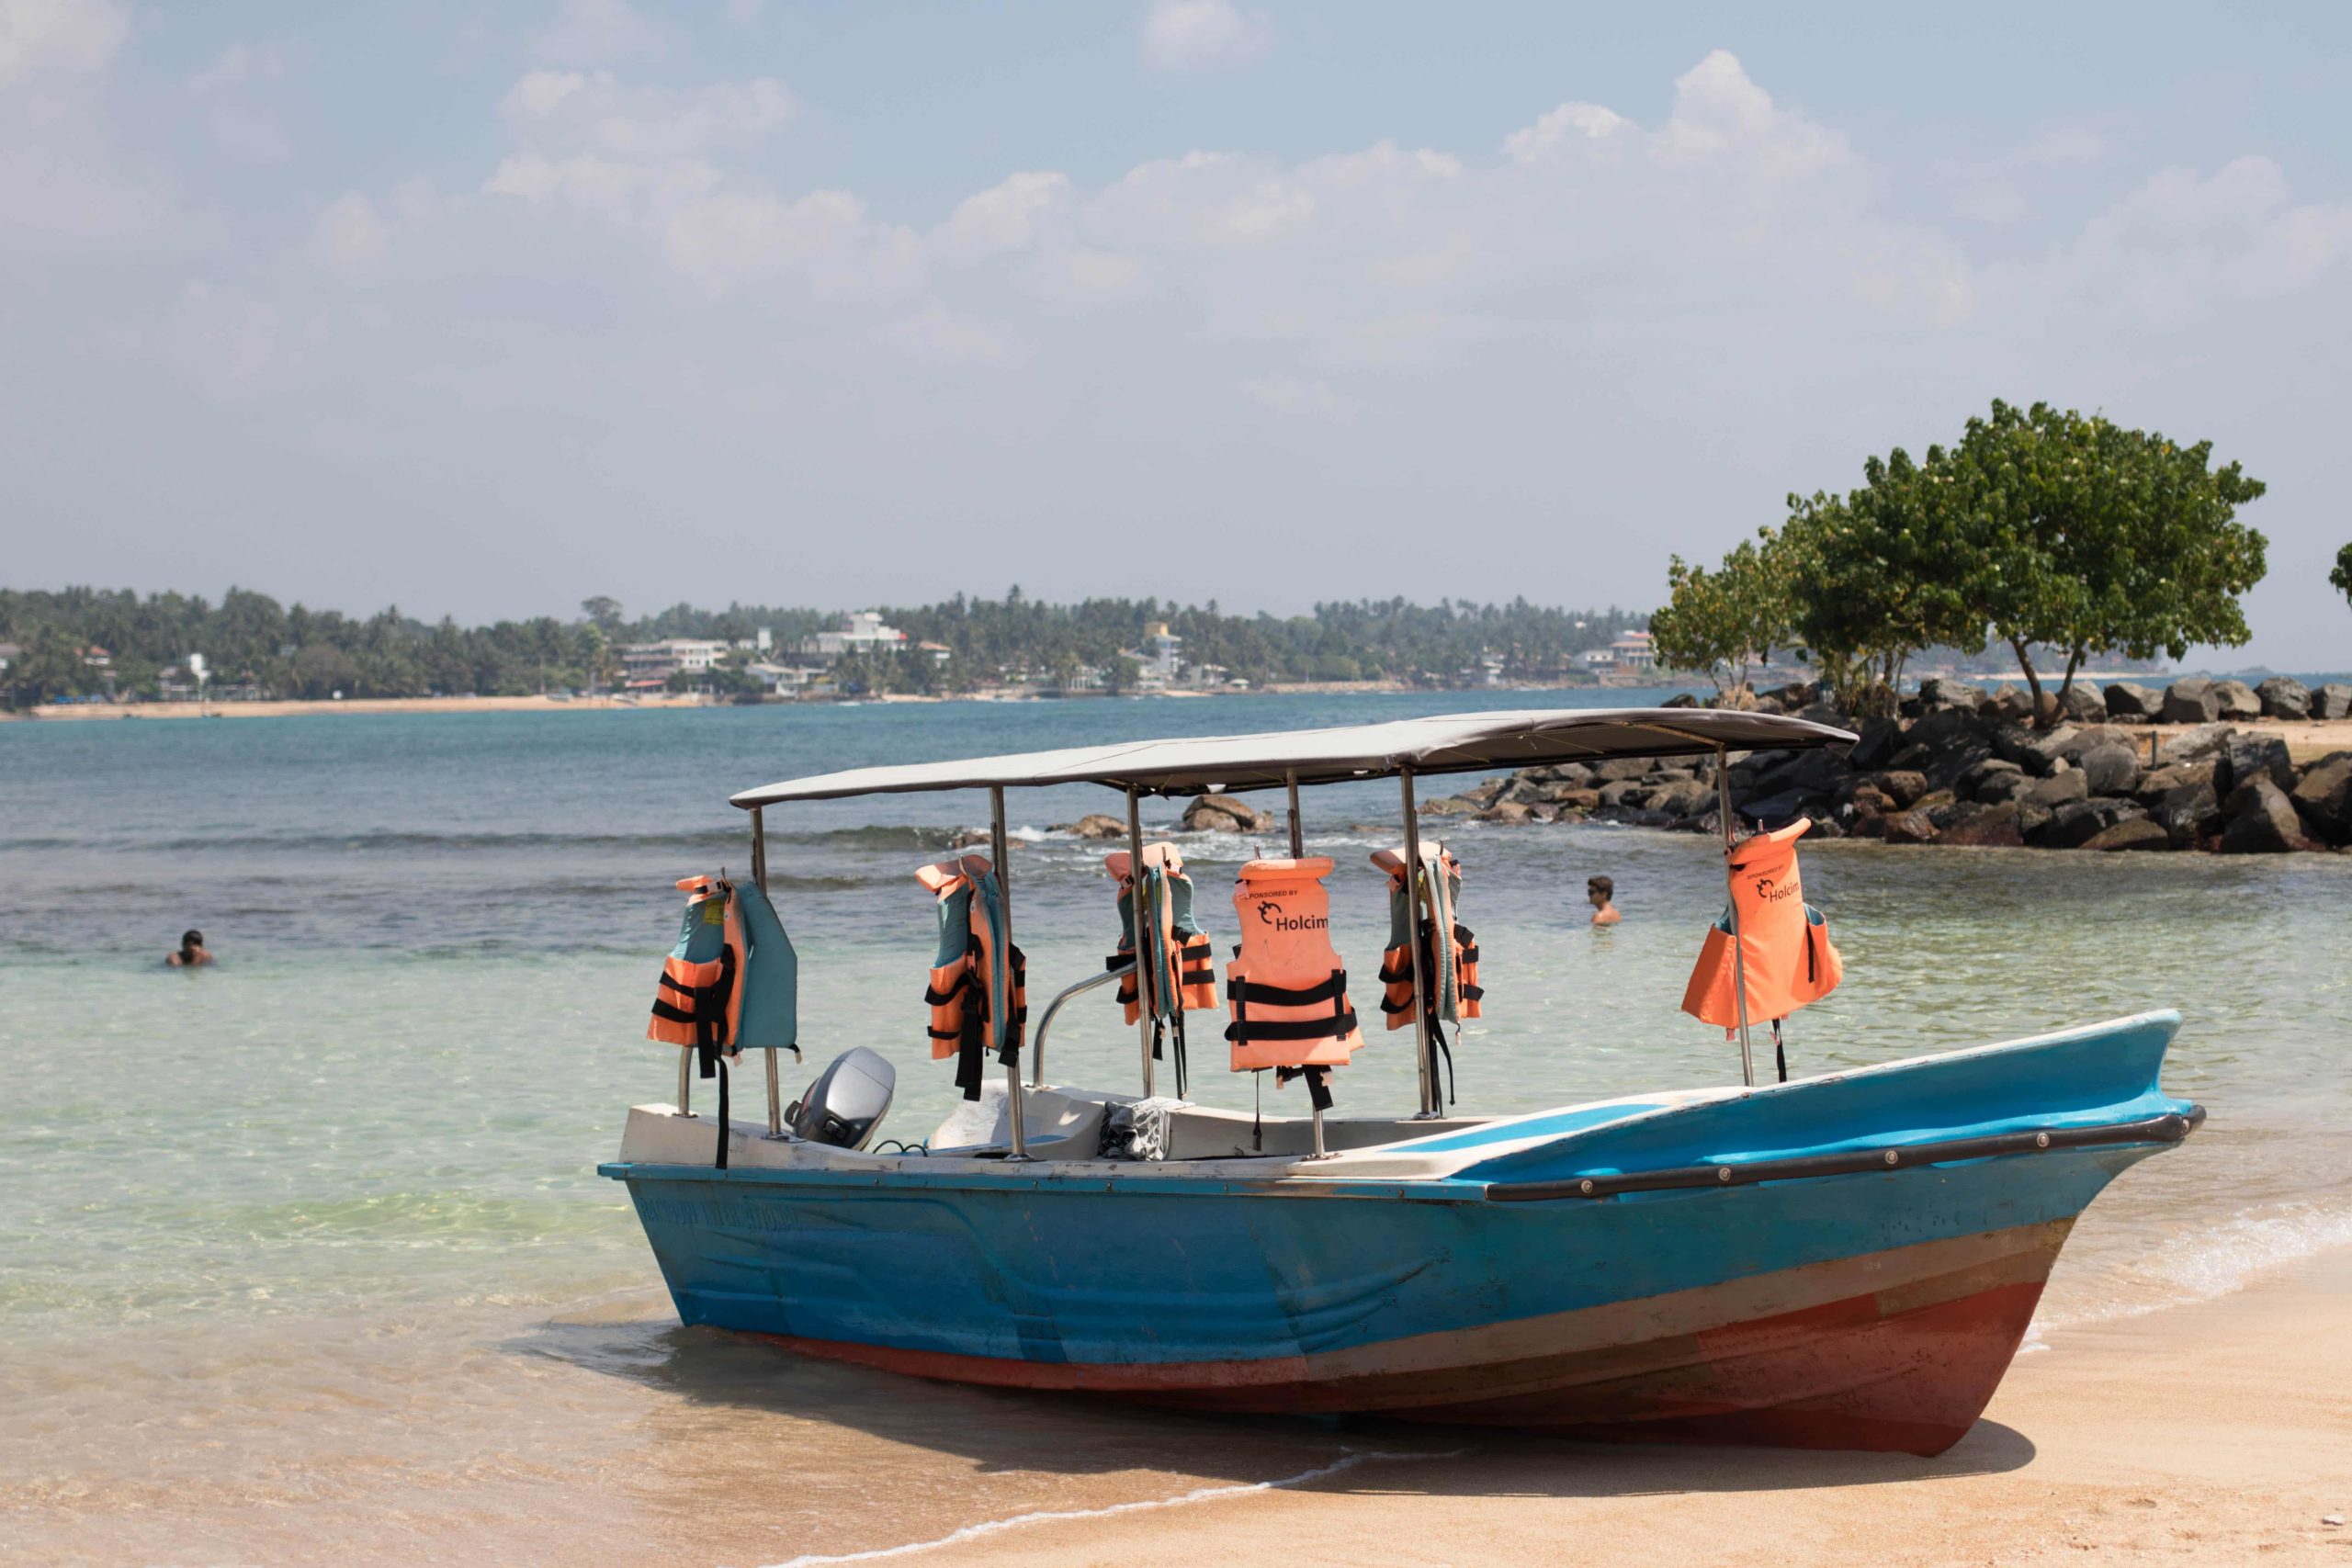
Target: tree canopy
[[251, 641], [2042, 529], [1726, 622], [2088, 538], [2342, 575]]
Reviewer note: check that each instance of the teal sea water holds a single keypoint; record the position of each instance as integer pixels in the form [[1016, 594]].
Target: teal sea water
[[320, 1226]]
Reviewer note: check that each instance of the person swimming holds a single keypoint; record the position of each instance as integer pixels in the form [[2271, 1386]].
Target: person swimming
[[1600, 890], [192, 954]]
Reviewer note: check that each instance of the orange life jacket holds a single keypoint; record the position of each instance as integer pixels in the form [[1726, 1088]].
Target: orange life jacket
[[1285, 988], [698, 1000], [978, 985], [1451, 973], [1784, 944]]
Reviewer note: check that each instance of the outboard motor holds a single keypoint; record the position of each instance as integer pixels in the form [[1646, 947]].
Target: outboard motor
[[847, 1101]]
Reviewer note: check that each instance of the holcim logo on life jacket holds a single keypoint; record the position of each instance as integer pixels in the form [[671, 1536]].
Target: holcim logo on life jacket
[[1772, 892], [1270, 913]]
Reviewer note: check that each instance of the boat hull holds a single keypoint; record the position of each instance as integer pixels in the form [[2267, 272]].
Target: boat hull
[[1842, 1262], [1897, 1352], [1875, 1312]]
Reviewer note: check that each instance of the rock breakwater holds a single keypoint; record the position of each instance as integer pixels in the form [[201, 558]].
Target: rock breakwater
[[1962, 768]]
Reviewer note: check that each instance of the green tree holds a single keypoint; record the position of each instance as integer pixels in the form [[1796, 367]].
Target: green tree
[[1879, 573], [2342, 575], [2083, 537], [1725, 621]]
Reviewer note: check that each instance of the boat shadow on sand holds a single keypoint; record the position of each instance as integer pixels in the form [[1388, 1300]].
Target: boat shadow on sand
[[806, 1405]]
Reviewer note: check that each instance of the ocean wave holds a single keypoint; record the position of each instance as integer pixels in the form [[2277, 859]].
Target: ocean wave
[[2219, 1261]]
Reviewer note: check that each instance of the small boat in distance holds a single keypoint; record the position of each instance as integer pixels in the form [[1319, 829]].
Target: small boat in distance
[[1847, 1260]]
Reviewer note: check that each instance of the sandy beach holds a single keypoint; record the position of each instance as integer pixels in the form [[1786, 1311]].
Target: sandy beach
[[2215, 1432], [2219, 1433]]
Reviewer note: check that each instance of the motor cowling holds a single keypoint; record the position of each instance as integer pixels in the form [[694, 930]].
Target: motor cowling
[[846, 1103]]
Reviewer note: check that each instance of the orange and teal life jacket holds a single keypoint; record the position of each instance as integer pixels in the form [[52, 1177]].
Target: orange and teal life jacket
[[1177, 954], [730, 984], [1450, 989], [979, 992]]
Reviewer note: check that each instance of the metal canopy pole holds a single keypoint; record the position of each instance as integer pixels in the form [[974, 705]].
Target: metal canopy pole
[[1135, 918], [1413, 931], [1738, 955], [1297, 832], [1012, 1020], [760, 876]]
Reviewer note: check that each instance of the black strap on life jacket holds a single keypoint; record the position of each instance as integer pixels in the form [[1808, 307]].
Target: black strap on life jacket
[[720, 1159], [1319, 1084], [1242, 993], [1780, 1052], [711, 1014]]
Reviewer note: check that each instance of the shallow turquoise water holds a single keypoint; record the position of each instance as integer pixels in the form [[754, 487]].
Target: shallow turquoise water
[[373, 1127]]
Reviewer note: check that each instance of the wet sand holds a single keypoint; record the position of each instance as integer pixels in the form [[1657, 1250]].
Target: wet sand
[[2220, 1431]]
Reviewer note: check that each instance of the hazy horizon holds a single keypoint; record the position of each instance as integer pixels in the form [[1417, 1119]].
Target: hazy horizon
[[1198, 299]]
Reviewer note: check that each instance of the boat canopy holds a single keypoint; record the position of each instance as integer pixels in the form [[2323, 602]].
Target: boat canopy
[[1447, 743]]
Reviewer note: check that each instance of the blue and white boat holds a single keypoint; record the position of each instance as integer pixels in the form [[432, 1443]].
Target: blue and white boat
[[1842, 1261]]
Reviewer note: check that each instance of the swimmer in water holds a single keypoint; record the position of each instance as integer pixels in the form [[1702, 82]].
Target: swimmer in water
[[1600, 890], [193, 954]]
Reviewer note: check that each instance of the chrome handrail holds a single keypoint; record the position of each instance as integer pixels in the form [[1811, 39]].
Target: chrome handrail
[[1046, 1020]]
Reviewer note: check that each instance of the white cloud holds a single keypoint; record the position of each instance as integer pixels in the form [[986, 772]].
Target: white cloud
[[1294, 396], [936, 335], [597, 32], [540, 92], [1570, 130], [239, 65], [348, 238], [1006, 217], [1198, 35], [569, 108], [64, 37], [729, 239]]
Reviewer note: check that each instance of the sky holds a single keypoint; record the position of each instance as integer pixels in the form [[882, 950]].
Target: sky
[[485, 310]]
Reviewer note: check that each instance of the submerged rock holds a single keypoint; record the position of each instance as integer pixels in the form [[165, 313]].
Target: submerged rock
[[1095, 825], [2131, 833], [2074, 825], [1984, 827]]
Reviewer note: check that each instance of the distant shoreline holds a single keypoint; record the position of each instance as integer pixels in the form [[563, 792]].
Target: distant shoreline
[[303, 707]]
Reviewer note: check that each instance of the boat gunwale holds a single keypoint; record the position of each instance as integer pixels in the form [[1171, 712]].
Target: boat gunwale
[[2170, 1127]]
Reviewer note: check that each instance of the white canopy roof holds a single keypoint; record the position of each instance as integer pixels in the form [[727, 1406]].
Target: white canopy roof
[[1449, 743]]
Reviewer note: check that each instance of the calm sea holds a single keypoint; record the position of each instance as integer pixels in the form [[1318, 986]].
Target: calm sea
[[308, 1249]]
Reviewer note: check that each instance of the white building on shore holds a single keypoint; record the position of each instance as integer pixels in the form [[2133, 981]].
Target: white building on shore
[[862, 632]]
